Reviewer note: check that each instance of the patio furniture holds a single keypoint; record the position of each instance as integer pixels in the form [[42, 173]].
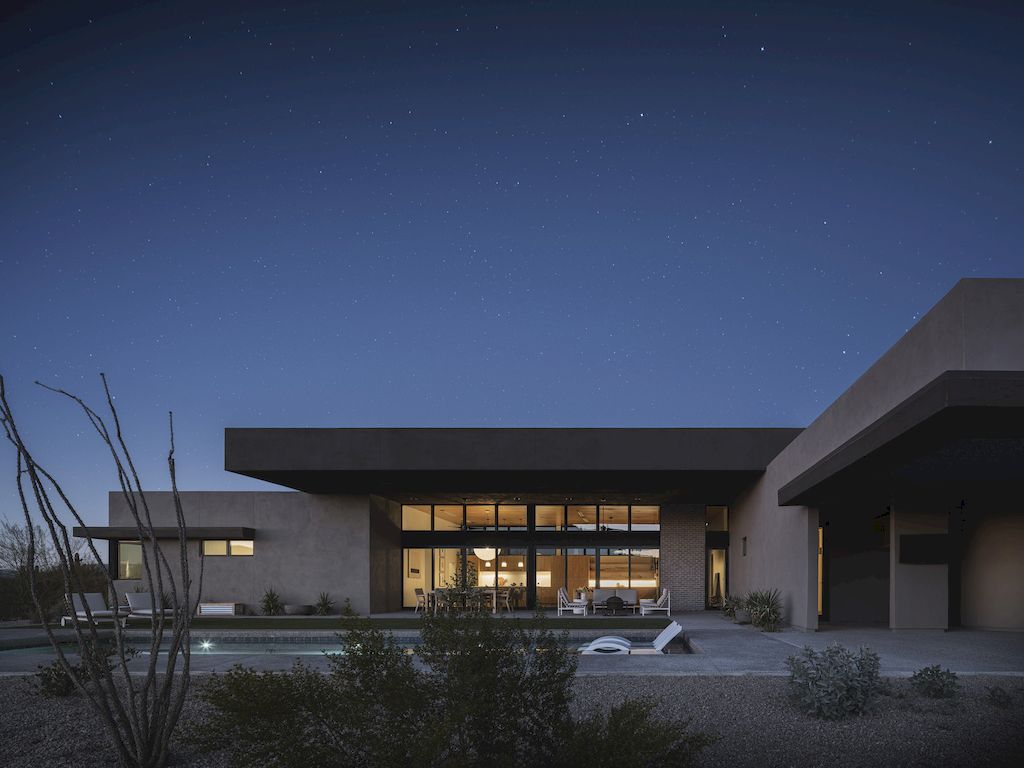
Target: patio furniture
[[96, 605], [421, 600], [442, 599], [614, 645], [663, 603], [140, 605], [577, 607], [628, 597]]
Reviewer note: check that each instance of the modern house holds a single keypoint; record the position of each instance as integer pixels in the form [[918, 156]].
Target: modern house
[[899, 505]]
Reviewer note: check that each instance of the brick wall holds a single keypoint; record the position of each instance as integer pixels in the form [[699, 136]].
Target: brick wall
[[682, 555]]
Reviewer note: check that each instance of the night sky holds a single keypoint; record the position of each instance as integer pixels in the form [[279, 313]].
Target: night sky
[[580, 214]]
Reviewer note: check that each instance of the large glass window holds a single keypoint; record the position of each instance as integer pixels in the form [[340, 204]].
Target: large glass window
[[416, 575], [512, 517], [129, 560], [646, 518], [614, 568], [480, 517], [549, 518], [448, 517], [550, 576], [415, 517], [581, 518], [581, 570], [644, 574], [446, 568]]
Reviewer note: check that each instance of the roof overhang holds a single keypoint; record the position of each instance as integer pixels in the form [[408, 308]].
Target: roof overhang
[[131, 533], [498, 464], [963, 428]]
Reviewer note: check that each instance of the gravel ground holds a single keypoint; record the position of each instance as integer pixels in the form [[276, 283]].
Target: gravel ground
[[752, 717]]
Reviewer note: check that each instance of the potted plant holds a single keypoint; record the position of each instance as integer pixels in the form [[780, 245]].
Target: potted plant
[[741, 611]]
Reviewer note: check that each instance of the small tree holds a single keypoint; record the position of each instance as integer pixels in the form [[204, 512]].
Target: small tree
[[139, 713]]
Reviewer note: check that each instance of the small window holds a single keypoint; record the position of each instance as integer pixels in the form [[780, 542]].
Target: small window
[[215, 548], [581, 518], [241, 548], [512, 517], [716, 518], [129, 560]]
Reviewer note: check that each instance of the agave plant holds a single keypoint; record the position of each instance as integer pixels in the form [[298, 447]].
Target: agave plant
[[731, 604], [765, 608], [324, 604]]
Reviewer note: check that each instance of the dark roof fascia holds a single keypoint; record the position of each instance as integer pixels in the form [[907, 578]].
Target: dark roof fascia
[[131, 533], [954, 403]]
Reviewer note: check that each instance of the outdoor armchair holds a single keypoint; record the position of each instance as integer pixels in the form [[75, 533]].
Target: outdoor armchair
[[663, 603]]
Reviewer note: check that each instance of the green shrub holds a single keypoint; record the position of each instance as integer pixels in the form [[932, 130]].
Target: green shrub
[[489, 692], [324, 604], [270, 603], [935, 683], [730, 605], [834, 683], [53, 680], [765, 608], [347, 610]]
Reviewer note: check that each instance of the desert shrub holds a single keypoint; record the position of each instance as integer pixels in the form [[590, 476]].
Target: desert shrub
[[730, 605], [935, 682], [998, 696], [367, 710], [324, 604], [53, 680], [270, 603], [490, 692], [596, 740], [834, 683], [765, 608], [347, 610]]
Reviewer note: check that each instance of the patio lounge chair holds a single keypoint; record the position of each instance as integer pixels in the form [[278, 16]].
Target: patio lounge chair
[[421, 600], [612, 644], [97, 608], [577, 607], [141, 605], [663, 603]]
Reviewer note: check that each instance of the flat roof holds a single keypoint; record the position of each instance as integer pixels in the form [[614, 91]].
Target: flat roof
[[548, 463], [964, 427]]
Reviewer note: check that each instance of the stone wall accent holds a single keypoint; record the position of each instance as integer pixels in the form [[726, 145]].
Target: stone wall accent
[[682, 555]]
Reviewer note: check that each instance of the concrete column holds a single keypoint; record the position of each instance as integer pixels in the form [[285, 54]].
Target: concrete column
[[918, 594]]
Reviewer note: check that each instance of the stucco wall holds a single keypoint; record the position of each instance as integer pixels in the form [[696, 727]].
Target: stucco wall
[[993, 571], [918, 594], [782, 550], [682, 555], [304, 544], [978, 325]]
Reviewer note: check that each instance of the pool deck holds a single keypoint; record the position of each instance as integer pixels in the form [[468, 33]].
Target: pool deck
[[720, 648]]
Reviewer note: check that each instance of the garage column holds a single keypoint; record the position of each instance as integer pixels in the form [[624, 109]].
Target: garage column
[[918, 591]]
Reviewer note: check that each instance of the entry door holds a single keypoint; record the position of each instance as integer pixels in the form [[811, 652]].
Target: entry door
[[715, 579]]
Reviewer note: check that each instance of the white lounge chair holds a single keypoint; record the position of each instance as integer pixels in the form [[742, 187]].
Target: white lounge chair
[[576, 607], [613, 644], [663, 603], [97, 608]]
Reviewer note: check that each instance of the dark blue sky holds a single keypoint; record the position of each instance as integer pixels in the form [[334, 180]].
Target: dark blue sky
[[689, 214]]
